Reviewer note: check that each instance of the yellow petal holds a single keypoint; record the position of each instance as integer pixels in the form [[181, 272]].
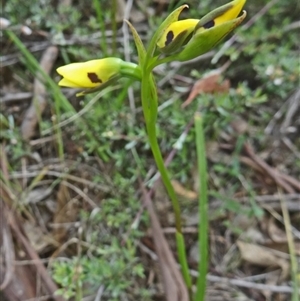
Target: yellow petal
[[175, 29], [89, 74], [66, 83], [231, 13]]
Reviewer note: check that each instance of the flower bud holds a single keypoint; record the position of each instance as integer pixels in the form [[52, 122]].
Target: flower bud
[[89, 74], [208, 36], [192, 37]]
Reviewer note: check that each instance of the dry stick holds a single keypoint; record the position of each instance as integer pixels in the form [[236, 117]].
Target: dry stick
[[81, 193], [294, 104], [230, 281], [51, 286], [270, 171], [42, 298], [272, 198], [17, 175], [99, 293], [248, 284], [173, 282], [291, 181], [253, 163], [291, 146], [15, 97], [8, 249], [248, 161], [3, 161], [39, 101]]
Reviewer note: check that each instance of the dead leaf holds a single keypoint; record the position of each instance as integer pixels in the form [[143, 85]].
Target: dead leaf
[[31, 254], [66, 212], [35, 236], [210, 83], [183, 192], [272, 279], [264, 257], [275, 233]]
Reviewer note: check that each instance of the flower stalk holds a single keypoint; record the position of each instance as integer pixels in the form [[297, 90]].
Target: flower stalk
[[174, 40]]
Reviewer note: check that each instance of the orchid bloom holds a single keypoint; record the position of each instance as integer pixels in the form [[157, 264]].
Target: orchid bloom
[[192, 37], [94, 73]]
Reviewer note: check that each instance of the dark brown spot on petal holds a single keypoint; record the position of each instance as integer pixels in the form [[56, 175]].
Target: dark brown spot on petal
[[94, 77], [209, 24], [170, 37]]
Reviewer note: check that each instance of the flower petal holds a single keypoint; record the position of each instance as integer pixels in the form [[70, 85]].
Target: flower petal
[[89, 74], [221, 15], [176, 35], [161, 31], [66, 83], [231, 13]]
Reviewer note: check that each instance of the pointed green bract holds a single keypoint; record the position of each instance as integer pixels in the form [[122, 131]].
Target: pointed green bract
[[138, 43]]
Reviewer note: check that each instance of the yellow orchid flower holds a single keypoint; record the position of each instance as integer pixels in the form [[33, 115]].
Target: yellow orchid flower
[[193, 37], [94, 73]]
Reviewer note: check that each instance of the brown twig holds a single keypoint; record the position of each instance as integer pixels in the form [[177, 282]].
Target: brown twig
[[230, 281], [50, 285], [174, 286], [294, 104], [277, 178], [248, 284], [8, 249]]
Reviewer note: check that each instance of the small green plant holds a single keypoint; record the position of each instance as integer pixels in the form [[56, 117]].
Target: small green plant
[[174, 40]]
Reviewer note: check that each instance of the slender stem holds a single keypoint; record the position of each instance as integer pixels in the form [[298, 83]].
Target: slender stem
[[164, 60], [149, 103], [164, 175], [203, 212], [132, 70]]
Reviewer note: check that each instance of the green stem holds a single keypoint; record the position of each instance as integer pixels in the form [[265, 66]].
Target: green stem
[[164, 60], [131, 70], [203, 212], [149, 103]]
